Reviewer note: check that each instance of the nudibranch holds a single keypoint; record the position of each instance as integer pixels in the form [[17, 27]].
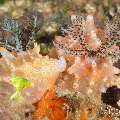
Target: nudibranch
[[86, 37], [42, 71], [95, 48]]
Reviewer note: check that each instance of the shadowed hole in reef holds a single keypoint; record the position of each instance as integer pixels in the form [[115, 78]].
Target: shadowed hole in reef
[[28, 114], [111, 96], [117, 64], [0, 55]]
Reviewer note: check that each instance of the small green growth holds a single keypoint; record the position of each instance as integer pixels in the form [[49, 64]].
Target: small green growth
[[44, 49], [2, 2], [20, 84]]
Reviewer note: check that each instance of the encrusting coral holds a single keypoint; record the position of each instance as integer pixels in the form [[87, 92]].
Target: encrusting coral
[[41, 71]]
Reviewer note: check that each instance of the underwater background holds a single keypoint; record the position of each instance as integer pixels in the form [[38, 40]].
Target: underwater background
[[59, 59]]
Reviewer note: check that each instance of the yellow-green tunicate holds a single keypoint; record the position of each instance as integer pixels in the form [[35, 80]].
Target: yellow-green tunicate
[[20, 84]]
